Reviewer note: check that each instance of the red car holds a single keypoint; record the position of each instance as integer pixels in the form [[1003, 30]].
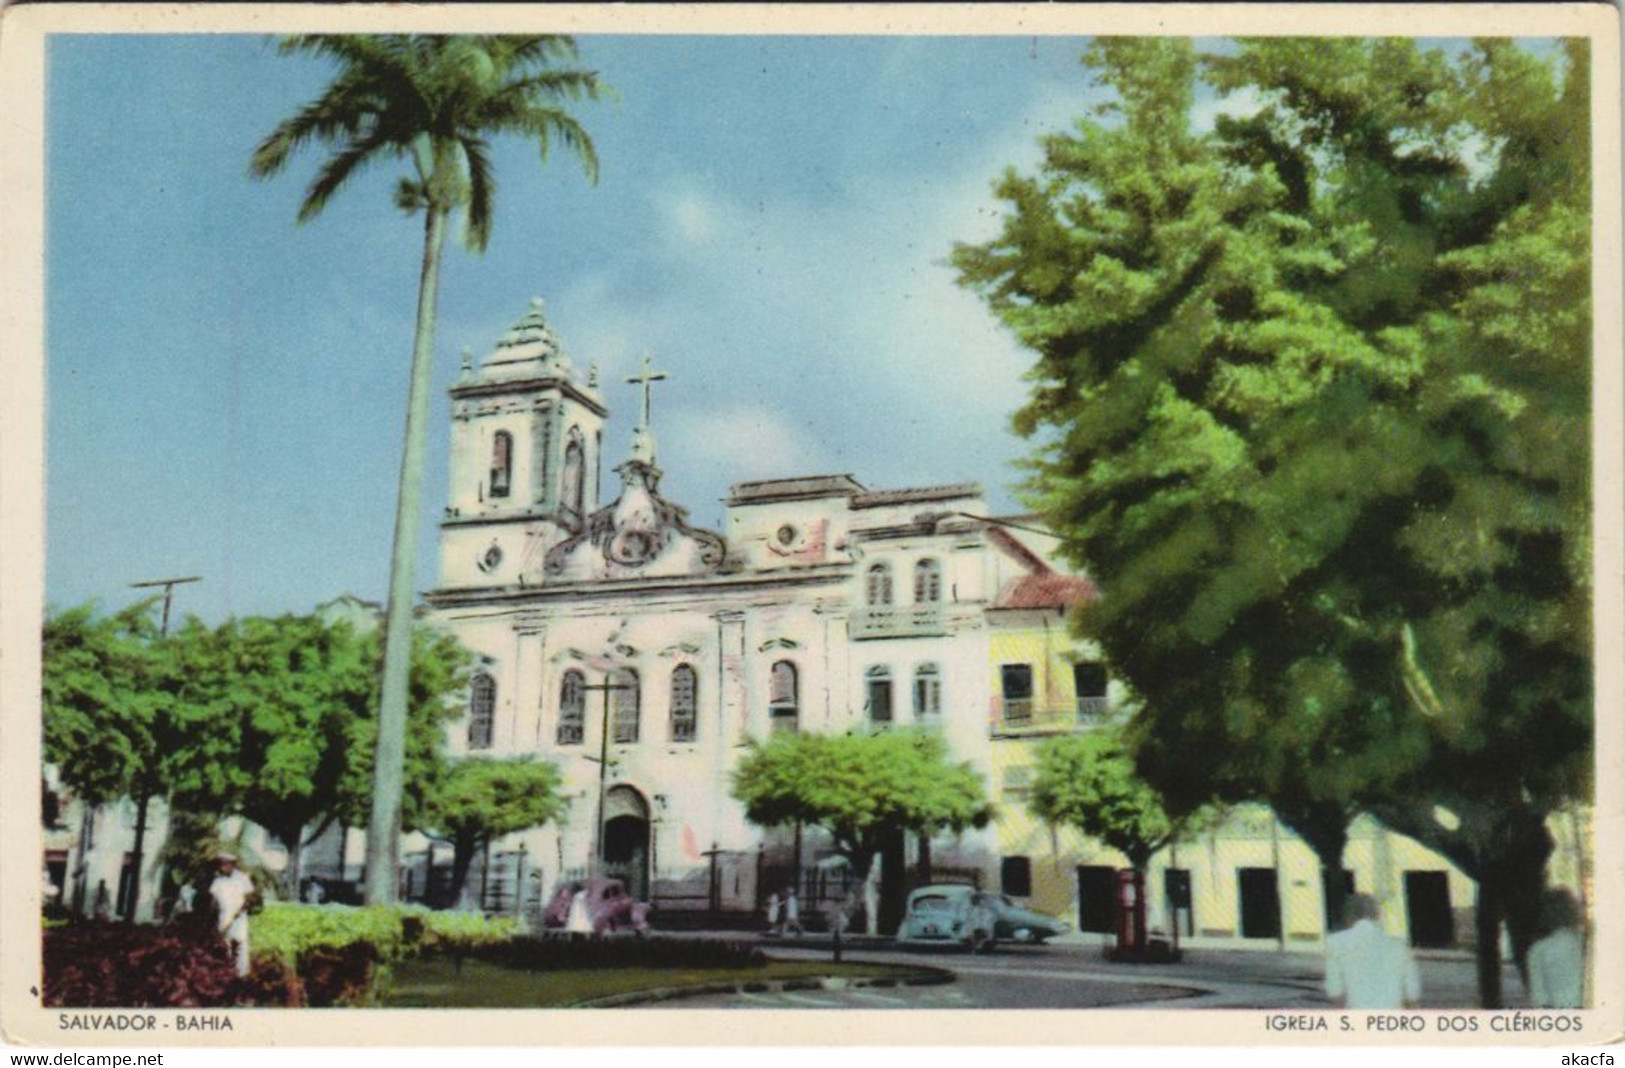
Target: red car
[[609, 907]]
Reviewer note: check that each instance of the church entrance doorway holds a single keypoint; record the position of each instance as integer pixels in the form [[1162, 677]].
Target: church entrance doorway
[[626, 840]]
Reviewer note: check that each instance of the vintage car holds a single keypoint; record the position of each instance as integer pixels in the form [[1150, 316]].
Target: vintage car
[[949, 915], [608, 906], [1012, 923]]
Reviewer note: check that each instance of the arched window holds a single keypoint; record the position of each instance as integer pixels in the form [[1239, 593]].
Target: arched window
[[572, 709], [879, 587], [482, 704], [501, 463], [927, 694], [573, 484], [540, 454], [784, 698], [927, 582], [877, 694], [685, 703], [624, 703]]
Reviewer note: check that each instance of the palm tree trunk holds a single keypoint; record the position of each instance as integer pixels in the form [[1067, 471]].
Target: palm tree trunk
[[383, 830]]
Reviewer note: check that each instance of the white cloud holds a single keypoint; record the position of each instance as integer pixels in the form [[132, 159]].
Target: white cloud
[[690, 218], [746, 440]]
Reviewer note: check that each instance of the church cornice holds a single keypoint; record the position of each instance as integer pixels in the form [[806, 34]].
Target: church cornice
[[530, 385], [715, 583]]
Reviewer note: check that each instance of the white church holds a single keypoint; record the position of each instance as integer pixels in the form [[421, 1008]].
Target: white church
[[639, 653]]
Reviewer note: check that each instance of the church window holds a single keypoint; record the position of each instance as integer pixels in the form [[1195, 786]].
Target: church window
[[544, 446], [927, 582], [572, 709], [879, 585], [573, 484], [787, 535], [482, 703], [877, 688], [684, 703], [927, 693], [501, 463], [783, 698], [624, 702]]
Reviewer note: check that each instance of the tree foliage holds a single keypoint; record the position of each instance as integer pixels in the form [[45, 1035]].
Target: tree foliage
[[479, 800], [1088, 781], [860, 787], [1312, 398]]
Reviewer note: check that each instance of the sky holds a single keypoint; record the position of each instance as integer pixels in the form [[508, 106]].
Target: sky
[[226, 389]]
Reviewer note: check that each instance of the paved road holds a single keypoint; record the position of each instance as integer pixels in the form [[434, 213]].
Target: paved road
[[1076, 976]]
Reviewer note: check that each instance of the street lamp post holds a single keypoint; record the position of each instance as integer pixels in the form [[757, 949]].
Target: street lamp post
[[142, 801], [596, 859]]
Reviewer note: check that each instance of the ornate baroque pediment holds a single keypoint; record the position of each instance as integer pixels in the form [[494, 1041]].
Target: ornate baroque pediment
[[641, 534]]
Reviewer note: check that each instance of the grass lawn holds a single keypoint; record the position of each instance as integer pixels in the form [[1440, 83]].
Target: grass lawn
[[433, 982]]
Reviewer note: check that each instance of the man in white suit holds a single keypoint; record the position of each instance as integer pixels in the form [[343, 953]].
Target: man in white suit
[[1366, 967]]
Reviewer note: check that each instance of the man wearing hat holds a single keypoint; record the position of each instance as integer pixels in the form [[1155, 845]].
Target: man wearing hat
[[231, 890]]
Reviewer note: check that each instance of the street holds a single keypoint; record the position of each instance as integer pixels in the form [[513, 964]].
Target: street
[[1077, 976]]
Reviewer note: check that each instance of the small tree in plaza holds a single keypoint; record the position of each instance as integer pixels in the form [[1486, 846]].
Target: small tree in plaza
[[479, 800], [867, 790], [1088, 781]]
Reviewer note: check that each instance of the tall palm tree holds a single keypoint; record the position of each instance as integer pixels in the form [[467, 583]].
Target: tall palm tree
[[431, 102]]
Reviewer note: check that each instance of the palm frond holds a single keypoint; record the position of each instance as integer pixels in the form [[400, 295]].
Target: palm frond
[[481, 194], [330, 117], [336, 171]]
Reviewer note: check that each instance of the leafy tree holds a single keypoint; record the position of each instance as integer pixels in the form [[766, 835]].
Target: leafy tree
[[432, 101], [109, 711], [866, 790], [480, 799], [1312, 398], [281, 711], [1088, 781]]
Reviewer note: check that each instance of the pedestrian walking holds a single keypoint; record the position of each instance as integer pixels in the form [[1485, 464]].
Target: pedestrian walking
[[1556, 962], [792, 913], [232, 891], [773, 911], [1366, 967]]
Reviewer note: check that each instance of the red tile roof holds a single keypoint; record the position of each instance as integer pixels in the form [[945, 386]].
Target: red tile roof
[[1046, 589]]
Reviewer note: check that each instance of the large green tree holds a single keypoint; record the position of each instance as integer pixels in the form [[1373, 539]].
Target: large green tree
[[433, 102], [108, 710], [480, 799], [1312, 400], [867, 790]]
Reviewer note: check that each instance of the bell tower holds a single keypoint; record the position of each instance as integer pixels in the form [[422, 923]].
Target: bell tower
[[525, 445]]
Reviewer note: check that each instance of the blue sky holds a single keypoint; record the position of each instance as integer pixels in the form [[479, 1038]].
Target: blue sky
[[225, 389]]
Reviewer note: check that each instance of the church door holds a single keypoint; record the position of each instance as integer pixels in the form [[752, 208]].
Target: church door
[[626, 840]]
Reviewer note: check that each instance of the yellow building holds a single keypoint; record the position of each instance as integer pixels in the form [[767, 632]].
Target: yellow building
[[1246, 880]]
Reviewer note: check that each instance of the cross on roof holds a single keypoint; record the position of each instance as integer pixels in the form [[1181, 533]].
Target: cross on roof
[[646, 380]]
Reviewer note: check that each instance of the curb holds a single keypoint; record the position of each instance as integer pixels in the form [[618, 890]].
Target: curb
[[924, 976]]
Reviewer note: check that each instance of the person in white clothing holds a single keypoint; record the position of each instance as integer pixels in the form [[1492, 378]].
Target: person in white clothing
[[578, 920], [1366, 967], [231, 891], [1556, 963]]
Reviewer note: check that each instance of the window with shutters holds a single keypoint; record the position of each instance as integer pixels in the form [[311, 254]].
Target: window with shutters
[[482, 701], [783, 698], [572, 709], [501, 463], [684, 703], [624, 703]]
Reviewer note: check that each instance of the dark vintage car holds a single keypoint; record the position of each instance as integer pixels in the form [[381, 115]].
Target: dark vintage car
[[1012, 923], [609, 907], [949, 915]]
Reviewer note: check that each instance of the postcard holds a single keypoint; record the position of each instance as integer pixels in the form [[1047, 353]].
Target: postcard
[[1049, 525]]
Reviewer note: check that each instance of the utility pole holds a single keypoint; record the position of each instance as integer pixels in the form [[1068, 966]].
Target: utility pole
[[594, 861], [142, 801]]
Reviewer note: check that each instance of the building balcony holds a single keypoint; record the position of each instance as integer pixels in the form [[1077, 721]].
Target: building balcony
[[1016, 717], [898, 621]]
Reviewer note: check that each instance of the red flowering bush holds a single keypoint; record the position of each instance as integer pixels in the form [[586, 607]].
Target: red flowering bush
[[96, 964]]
